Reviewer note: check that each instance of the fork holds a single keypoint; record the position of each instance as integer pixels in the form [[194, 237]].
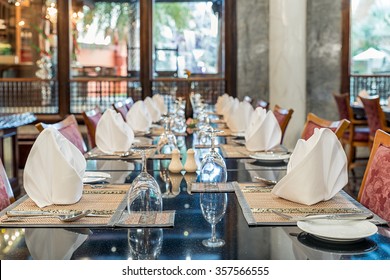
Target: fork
[[342, 216]]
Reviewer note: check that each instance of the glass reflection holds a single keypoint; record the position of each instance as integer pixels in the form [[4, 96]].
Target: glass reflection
[[213, 207], [145, 243]]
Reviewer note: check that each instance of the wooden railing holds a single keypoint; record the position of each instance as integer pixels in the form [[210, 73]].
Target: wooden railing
[[373, 84]]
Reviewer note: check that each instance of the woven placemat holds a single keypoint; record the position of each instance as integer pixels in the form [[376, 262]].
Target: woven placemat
[[218, 187], [97, 154], [234, 151], [108, 202], [152, 219], [257, 205]]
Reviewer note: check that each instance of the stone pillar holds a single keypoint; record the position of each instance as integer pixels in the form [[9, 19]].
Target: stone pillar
[[287, 62]]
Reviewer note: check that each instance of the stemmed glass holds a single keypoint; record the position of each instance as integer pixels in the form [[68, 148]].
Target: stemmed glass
[[167, 142], [213, 167], [145, 243], [145, 193], [213, 207]]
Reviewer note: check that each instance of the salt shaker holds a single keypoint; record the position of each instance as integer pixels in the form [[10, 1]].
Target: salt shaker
[[190, 165], [175, 166]]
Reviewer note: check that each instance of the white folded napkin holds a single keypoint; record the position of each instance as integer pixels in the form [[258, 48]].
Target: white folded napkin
[[113, 134], [53, 243], [138, 117], [240, 116], [54, 170], [220, 104], [227, 106], [152, 108], [317, 169], [263, 132], [159, 100]]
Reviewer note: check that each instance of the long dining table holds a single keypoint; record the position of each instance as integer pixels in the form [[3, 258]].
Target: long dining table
[[180, 237]]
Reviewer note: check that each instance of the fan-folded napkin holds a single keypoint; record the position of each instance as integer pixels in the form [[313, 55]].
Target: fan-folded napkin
[[113, 134], [240, 116], [152, 108], [54, 170], [263, 132], [159, 100], [317, 169], [138, 117], [220, 104]]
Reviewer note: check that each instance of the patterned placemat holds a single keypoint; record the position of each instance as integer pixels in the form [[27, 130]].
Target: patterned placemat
[[97, 154], [147, 219], [107, 203], [218, 187], [257, 204]]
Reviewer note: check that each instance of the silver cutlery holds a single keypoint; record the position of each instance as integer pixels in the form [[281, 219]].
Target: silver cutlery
[[341, 216], [265, 181], [71, 217]]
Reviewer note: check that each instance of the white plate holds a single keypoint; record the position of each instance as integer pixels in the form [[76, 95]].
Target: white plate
[[338, 230], [238, 134], [270, 156], [93, 177]]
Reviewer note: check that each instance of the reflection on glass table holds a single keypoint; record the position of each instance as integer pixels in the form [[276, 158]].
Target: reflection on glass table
[[213, 207], [145, 243]]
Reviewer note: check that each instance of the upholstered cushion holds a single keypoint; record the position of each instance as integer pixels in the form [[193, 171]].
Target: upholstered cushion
[[361, 134], [4, 199], [309, 130], [376, 192], [279, 116], [72, 133], [373, 115]]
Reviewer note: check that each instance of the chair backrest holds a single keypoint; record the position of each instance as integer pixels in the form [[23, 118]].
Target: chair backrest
[[313, 121], [129, 102], [6, 193], [70, 129], [263, 104], [376, 118], [121, 108], [374, 191], [283, 116], [91, 119], [343, 105]]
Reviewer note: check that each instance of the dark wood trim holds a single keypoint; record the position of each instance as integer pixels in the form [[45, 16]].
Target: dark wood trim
[[64, 47], [231, 47], [345, 46], [146, 44]]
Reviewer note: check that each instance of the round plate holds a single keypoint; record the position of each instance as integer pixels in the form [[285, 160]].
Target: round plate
[[94, 177], [338, 230], [270, 156]]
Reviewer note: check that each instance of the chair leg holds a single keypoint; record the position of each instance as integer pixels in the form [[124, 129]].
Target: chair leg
[[351, 155]]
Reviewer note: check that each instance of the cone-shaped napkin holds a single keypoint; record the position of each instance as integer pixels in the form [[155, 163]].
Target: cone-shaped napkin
[[138, 117], [113, 134], [54, 170], [152, 108], [221, 101], [240, 117], [263, 132], [317, 169], [159, 100]]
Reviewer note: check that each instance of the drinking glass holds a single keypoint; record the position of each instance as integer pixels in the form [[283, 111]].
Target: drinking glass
[[145, 193], [145, 243], [213, 167], [213, 207], [167, 142]]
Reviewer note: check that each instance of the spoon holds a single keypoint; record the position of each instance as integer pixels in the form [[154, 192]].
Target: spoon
[[74, 216]]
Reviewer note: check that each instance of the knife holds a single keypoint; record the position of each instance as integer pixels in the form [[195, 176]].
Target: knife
[[22, 213], [341, 216]]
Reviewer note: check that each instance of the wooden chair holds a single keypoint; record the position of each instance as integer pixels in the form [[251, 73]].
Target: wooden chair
[[129, 102], [374, 191], [6, 193], [69, 128], [283, 116], [376, 118], [91, 119], [357, 134], [313, 121], [121, 108]]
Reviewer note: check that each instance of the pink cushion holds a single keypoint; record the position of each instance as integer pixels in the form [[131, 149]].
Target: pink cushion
[[309, 130], [4, 199], [376, 192], [72, 133], [362, 134]]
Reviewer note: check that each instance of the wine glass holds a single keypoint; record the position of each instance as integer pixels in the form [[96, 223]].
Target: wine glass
[[167, 142], [213, 167], [145, 193], [213, 207], [145, 243]]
